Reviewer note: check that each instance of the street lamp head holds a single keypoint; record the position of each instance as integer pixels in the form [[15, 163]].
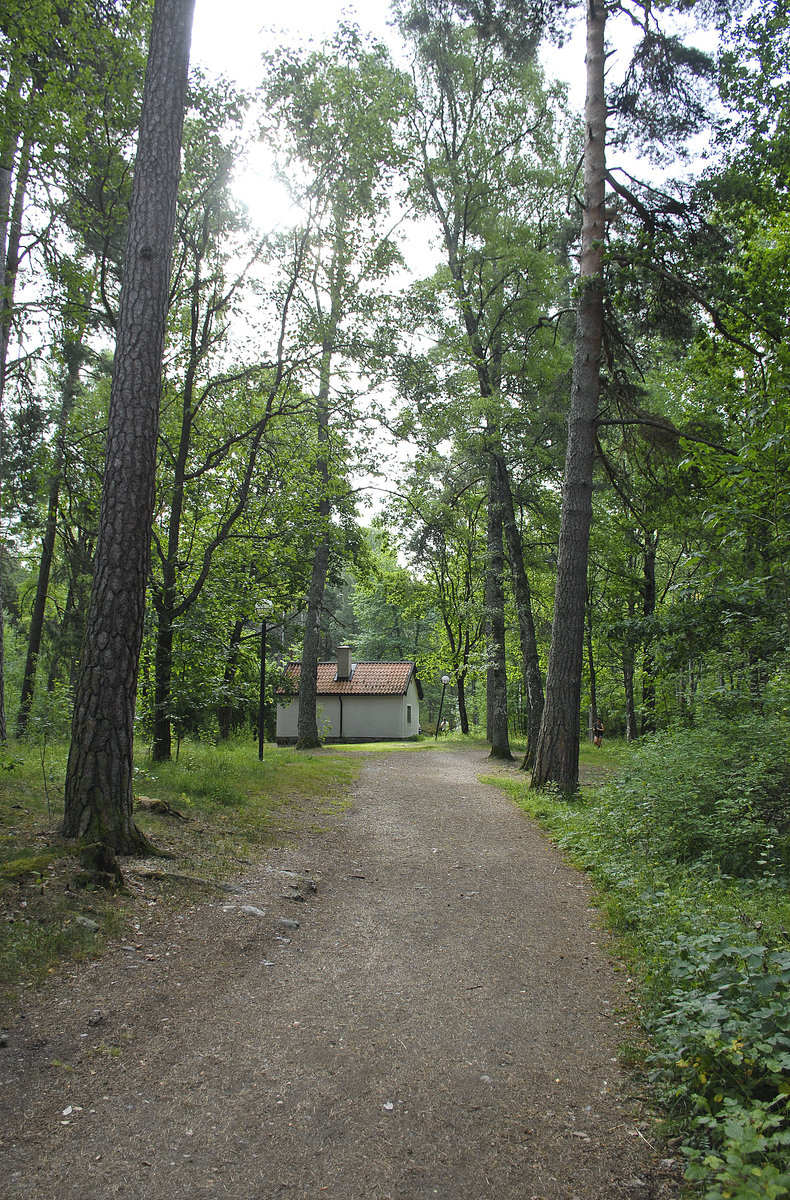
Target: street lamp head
[[445, 679], [263, 608]]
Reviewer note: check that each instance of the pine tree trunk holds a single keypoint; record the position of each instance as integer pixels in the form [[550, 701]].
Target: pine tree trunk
[[495, 616], [10, 243], [522, 593], [588, 638], [162, 743], [648, 661], [10, 240], [557, 756], [7, 155], [98, 797]]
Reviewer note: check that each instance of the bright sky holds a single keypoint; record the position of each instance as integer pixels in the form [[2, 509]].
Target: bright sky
[[229, 36]]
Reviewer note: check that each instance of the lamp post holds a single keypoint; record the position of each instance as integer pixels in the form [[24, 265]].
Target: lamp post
[[262, 608], [445, 681]]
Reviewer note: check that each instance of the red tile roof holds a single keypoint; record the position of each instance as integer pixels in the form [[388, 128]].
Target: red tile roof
[[367, 678]]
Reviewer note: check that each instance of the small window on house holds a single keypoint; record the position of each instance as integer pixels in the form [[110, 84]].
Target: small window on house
[[408, 714]]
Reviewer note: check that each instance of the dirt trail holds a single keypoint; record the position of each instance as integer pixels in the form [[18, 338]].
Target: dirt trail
[[443, 1023]]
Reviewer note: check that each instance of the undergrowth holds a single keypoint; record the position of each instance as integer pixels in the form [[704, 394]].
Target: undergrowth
[[223, 807], [688, 848]]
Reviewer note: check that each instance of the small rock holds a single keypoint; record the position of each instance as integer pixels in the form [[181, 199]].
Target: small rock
[[87, 923], [287, 923], [300, 881], [252, 911]]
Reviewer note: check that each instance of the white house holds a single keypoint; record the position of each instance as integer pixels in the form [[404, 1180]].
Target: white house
[[357, 702]]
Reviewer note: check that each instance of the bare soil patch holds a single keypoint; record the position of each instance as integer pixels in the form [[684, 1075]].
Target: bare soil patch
[[443, 1022]]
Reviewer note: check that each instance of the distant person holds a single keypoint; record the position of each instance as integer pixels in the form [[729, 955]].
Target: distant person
[[598, 732]]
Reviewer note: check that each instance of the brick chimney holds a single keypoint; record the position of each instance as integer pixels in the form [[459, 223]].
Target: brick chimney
[[343, 662]]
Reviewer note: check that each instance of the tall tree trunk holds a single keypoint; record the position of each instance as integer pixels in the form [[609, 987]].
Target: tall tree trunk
[[7, 156], [460, 690], [495, 617], [533, 680], [165, 602], [628, 686], [10, 239], [648, 609], [588, 639], [308, 736], [162, 745], [631, 731], [98, 796], [67, 638], [225, 711], [72, 353], [557, 756]]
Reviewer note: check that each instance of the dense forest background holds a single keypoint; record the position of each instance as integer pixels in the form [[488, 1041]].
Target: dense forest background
[[343, 439]]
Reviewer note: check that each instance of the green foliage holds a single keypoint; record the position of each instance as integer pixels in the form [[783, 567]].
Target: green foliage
[[715, 793], [711, 950], [723, 1061]]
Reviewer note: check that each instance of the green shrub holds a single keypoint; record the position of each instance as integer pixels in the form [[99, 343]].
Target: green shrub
[[722, 1061], [717, 792], [663, 841]]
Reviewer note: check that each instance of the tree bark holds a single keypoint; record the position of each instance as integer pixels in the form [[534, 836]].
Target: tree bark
[[98, 796], [557, 756], [631, 732], [628, 686], [588, 638], [166, 600], [308, 736], [10, 237], [495, 616], [463, 715], [533, 680], [648, 609]]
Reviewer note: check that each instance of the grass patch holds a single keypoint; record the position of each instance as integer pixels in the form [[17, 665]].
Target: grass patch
[[711, 949], [234, 805]]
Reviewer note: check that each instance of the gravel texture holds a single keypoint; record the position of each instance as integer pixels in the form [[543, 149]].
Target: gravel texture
[[440, 1017]]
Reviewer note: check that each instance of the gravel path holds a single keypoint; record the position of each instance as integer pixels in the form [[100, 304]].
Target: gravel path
[[442, 1023]]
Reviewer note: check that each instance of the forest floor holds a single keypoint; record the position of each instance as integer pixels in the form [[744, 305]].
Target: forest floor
[[440, 1017]]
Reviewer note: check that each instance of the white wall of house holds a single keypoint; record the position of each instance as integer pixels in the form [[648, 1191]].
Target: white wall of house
[[374, 717]]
